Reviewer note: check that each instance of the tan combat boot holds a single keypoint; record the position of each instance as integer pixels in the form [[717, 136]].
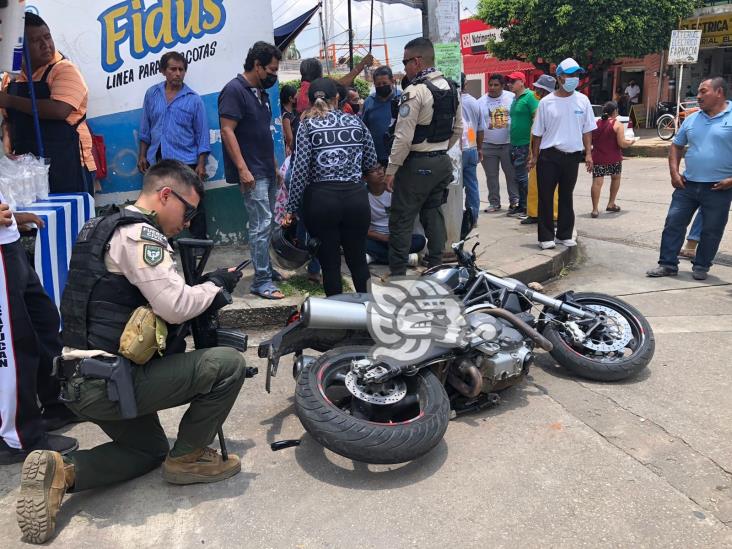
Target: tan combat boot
[[43, 483], [202, 465]]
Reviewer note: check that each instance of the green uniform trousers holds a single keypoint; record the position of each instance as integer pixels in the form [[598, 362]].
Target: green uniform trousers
[[208, 379], [419, 189]]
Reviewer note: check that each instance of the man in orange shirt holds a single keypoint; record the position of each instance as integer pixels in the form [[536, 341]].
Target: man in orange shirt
[[62, 97]]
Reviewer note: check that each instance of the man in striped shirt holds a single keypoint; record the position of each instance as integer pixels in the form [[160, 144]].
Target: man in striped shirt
[[62, 97], [174, 127]]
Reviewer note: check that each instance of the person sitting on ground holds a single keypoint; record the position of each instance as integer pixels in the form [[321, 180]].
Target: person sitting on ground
[[377, 242], [608, 140]]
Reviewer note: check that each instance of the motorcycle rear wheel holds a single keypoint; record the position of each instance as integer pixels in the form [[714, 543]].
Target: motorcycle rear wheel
[[611, 366], [340, 422]]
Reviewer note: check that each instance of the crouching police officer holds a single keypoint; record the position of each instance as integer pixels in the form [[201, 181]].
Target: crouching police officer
[[120, 262], [419, 168]]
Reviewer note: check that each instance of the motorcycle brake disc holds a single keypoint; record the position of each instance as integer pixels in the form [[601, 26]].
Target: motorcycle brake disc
[[616, 331], [390, 392]]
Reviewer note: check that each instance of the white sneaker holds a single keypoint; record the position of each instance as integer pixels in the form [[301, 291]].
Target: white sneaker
[[568, 243], [413, 260], [369, 259], [547, 245]]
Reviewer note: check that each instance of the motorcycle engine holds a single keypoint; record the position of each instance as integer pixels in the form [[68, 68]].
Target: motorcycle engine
[[503, 361]]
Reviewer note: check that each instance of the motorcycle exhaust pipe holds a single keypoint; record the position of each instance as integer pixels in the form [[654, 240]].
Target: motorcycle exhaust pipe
[[469, 390], [329, 314]]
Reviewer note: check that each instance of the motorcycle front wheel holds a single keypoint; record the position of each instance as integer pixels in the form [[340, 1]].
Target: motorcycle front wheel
[[619, 348], [365, 431]]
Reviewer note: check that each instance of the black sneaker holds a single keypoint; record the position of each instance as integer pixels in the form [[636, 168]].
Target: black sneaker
[[699, 274], [56, 443], [662, 270], [56, 422], [516, 212], [529, 220]]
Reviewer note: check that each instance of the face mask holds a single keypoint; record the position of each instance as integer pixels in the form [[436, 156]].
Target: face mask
[[355, 107], [570, 84], [383, 91], [268, 81]]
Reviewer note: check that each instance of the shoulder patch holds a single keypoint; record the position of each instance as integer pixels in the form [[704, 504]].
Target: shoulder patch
[[153, 235], [404, 110], [152, 254]]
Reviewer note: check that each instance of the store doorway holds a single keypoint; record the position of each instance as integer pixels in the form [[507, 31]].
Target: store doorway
[[632, 75]]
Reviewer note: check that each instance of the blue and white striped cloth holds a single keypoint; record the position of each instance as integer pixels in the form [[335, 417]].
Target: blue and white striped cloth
[[64, 215]]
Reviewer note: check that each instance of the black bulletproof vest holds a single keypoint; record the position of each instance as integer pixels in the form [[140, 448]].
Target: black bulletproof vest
[[97, 304], [443, 118], [60, 139]]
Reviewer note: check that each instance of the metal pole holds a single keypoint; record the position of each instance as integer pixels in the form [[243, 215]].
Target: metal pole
[[678, 94], [325, 44], [371, 27], [350, 37], [34, 103]]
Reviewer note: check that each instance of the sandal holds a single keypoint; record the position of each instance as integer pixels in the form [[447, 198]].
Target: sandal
[[687, 254], [595, 214], [612, 209], [269, 293]]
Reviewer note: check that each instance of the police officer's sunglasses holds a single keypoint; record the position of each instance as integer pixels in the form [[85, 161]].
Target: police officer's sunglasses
[[190, 211], [405, 62]]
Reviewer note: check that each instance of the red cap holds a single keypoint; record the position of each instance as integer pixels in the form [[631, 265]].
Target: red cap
[[517, 76]]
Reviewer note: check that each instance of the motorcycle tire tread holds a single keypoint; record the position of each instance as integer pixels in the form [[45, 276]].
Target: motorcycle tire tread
[[602, 371], [365, 441]]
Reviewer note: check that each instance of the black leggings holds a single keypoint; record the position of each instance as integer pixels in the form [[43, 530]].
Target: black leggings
[[338, 214]]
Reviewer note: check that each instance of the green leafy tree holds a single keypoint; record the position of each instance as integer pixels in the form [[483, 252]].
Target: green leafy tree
[[594, 32]]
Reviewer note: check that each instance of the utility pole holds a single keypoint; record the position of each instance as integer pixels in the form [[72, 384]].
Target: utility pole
[[441, 24]]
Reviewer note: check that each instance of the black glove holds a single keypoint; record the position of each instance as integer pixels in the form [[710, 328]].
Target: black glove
[[223, 278]]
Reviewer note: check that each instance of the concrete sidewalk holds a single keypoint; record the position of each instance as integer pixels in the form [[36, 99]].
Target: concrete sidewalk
[[650, 145], [506, 248]]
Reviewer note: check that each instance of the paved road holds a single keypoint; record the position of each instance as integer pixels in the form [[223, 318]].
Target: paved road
[[561, 463]]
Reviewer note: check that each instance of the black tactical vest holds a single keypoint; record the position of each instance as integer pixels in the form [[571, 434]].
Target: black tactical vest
[[445, 105], [97, 304]]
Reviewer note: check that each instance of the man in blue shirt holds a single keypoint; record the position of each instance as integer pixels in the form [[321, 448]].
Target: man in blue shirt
[[380, 111], [245, 117], [706, 184], [174, 127]]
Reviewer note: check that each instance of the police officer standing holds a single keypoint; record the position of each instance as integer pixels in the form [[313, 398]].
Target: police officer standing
[[123, 261], [419, 169]]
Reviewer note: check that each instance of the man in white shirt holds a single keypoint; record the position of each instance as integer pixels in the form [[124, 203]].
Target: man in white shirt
[[29, 340], [472, 136], [633, 91], [562, 129], [495, 107]]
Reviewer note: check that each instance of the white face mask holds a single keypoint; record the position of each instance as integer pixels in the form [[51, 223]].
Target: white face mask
[[570, 84]]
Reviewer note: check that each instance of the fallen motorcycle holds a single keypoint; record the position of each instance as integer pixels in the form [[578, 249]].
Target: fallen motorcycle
[[377, 409]]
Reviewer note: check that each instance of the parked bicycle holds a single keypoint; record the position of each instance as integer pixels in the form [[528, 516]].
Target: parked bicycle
[[667, 124]]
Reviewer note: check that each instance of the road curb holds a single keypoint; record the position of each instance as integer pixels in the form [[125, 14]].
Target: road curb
[[249, 318], [648, 151]]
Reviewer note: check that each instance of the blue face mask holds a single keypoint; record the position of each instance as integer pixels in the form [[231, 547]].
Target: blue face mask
[[570, 84]]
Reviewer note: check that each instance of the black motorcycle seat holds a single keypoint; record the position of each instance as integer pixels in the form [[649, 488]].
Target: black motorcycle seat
[[351, 298]]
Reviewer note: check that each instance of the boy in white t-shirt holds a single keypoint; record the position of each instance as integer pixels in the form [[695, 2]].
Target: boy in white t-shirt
[[562, 130], [29, 339]]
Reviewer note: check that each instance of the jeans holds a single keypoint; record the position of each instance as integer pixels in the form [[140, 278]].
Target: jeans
[[379, 250], [470, 181], [696, 228], [493, 157], [714, 207], [519, 158], [259, 202]]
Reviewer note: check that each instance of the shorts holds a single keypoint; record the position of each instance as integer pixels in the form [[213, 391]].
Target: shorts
[[603, 170]]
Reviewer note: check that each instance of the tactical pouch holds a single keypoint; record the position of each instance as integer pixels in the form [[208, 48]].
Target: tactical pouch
[[144, 334]]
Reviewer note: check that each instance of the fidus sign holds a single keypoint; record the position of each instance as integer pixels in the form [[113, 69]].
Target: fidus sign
[[163, 24]]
